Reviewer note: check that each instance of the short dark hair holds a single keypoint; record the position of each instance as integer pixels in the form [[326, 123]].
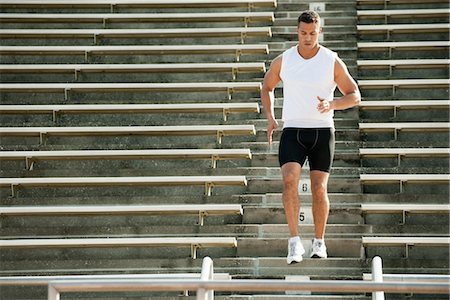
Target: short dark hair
[[309, 16]]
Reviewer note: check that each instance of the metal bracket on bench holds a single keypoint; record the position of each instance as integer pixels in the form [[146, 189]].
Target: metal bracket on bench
[[214, 159], [66, 94], [194, 248], [86, 56], [76, 71], [42, 137], [104, 22], [29, 163], [208, 188], [246, 21], [234, 72], [225, 113], [220, 135], [112, 7], [403, 217], [230, 92], [243, 36], [238, 55], [95, 38], [14, 188], [250, 6], [201, 217]]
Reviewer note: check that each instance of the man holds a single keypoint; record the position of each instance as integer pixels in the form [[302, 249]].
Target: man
[[310, 73]]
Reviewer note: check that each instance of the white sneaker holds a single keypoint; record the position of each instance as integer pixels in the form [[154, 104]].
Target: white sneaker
[[295, 250], [319, 250]]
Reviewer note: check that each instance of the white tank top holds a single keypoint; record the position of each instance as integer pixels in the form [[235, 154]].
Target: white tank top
[[304, 80]]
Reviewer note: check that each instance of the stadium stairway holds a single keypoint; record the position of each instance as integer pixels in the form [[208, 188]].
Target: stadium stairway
[[153, 145]]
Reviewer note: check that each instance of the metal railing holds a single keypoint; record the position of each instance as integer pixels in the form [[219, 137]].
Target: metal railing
[[206, 285]]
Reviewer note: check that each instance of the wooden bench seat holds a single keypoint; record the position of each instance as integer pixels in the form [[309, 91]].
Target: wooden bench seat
[[410, 104], [411, 63], [385, 2], [31, 157], [193, 242], [55, 110], [87, 51], [395, 105], [45, 4], [187, 130], [207, 181], [409, 126], [402, 178], [97, 34], [200, 210], [406, 241], [379, 152], [388, 208], [193, 87], [403, 83], [402, 152], [403, 13], [437, 27], [245, 17], [44, 280], [403, 46], [233, 68]]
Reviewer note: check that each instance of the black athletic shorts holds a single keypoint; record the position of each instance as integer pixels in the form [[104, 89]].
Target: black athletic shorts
[[316, 144]]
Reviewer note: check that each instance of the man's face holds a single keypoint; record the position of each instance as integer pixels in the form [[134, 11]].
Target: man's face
[[308, 35]]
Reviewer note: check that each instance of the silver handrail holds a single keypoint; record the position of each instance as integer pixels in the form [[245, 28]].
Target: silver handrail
[[249, 285], [205, 286]]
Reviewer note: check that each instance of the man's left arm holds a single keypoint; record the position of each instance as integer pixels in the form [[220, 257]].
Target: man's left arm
[[348, 87]]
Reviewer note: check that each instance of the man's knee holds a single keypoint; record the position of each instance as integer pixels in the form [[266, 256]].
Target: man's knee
[[319, 189]]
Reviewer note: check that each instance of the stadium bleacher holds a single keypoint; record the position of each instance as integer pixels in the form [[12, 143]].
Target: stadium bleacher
[[133, 144]]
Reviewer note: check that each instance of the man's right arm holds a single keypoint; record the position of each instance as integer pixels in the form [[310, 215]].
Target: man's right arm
[[271, 80]]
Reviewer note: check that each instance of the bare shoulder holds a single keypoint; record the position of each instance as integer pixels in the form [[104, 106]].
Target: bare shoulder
[[276, 63], [339, 66]]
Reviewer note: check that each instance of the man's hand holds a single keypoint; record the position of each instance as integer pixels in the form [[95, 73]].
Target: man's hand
[[273, 124], [323, 106]]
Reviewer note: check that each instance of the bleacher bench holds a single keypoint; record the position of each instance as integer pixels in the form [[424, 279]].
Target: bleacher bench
[[410, 126], [403, 46], [208, 182], [388, 208], [186, 130], [135, 3], [403, 82], [403, 13], [97, 34], [405, 104], [224, 108], [87, 51], [31, 157], [437, 27], [412, 63], [385, 2], [200, 210], [193, 242], [402, 152], [406, 242], [233, 68], [246, 17], [401, 178], [228, 87]]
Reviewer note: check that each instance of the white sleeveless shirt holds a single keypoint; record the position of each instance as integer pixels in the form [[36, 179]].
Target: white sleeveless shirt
[[304, 80]]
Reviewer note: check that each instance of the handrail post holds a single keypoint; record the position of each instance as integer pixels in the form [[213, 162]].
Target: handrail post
[[53, 294], [377, 276], [207, 274]]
